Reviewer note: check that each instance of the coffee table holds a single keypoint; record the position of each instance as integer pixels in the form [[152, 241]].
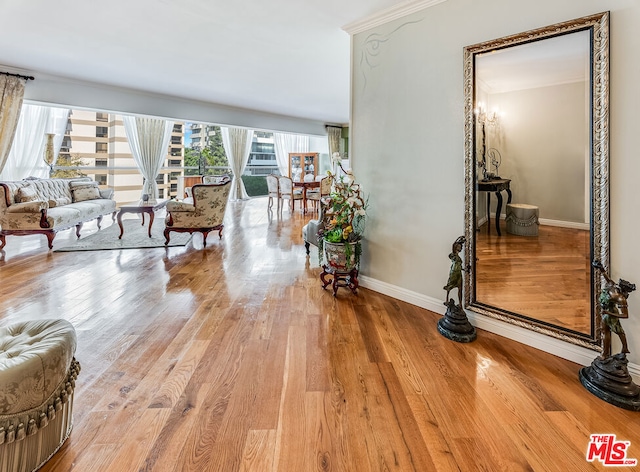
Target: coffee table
[[142, 207]]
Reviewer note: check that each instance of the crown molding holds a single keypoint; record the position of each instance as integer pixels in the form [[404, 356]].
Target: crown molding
[[389, 14]]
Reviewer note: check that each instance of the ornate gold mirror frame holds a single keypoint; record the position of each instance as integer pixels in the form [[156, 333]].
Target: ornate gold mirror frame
[[598, 26]]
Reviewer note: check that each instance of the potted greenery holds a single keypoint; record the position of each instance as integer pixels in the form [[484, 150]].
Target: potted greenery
[[344, 221]]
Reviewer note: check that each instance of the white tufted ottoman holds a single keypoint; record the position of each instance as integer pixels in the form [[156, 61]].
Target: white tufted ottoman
[[37, 379]]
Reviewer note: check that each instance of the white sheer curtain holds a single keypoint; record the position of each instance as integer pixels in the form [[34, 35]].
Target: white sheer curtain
[[26, 158], [148, 140], [11, 93], [334, 134], [237, 146], [58, 126], [286, 143]]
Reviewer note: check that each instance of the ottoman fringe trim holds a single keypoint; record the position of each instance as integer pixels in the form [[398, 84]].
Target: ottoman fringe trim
[[13, 428], [533, 219]]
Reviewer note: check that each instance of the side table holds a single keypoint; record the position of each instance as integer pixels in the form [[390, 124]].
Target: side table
[[141, 207], [496, 186]]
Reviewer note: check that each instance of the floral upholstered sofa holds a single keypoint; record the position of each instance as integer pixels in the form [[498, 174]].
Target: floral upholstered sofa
[[45, 206]]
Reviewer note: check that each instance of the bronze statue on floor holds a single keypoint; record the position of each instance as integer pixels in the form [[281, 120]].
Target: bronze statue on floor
[[454, 324], [608, 377], [455, 273], [613, 300]]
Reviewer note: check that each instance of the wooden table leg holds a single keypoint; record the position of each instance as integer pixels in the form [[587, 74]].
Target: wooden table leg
[[151, 217], [498, 211], [488, 212], [304, 200], [120, 224]]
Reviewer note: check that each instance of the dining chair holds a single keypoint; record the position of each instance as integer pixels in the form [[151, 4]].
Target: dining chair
[[288, 192], [316, 194], [273, 189]]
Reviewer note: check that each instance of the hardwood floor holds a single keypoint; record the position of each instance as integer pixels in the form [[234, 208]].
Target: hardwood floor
[[546, 277], [233, 358]]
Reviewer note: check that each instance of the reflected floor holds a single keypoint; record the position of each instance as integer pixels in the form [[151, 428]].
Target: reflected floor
[[544, 277]]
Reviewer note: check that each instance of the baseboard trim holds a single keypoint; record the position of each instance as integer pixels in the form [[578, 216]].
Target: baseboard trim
[[570, 352], [564, 224]]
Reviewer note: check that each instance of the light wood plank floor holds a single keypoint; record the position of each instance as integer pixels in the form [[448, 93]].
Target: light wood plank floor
[[232, 358], [546, 277]]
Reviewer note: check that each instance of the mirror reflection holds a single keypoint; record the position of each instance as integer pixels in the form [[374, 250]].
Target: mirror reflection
[[536, 185], [532, 109]]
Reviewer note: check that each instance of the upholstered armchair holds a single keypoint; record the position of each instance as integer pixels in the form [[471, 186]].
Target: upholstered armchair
[[310, 230], [209, 179], [205, 214]]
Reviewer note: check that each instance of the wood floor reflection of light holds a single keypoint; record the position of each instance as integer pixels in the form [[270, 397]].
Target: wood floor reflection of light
[[544, 277], [232, 358]]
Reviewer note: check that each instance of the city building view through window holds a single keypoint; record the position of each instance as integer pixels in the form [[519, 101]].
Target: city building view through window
[[95, 145]]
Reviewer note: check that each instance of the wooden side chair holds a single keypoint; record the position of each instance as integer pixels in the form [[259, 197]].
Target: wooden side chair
[[288, 192], [315, 195], [273, 189]]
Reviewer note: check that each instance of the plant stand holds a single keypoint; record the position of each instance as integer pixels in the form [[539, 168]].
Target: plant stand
[[347, 279]]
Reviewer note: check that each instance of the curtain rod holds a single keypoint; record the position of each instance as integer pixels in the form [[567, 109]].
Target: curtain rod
[[25, 77]]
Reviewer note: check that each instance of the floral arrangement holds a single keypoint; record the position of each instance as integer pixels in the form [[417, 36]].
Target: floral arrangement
[[344, 214]]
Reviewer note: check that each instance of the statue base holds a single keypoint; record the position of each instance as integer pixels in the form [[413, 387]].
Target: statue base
[[609, 380], [454, 325]]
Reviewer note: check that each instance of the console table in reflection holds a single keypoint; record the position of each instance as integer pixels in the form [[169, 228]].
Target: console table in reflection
[[496, 186]]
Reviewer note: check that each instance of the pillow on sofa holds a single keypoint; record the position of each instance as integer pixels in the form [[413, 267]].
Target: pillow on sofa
[[85, 192], [59, 202], [26, 194], [82, 183]]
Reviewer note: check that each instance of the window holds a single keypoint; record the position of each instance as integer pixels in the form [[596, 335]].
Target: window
[[262, 147], [101, 147], [102, 132], [160, 179], [264, 157], [175, 163], [102, 116], [101, 179], [176, 139], [177, 128], [160, 193], [101, 163]]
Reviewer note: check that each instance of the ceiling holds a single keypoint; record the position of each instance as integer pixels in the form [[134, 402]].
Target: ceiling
[[288, 57], [558, 60]]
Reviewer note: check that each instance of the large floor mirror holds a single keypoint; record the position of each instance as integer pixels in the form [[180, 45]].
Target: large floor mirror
[[537, 155]]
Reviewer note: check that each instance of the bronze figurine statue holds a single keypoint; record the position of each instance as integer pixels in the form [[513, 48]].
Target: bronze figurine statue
[[613, 301], [454, 324], [455, 272], [608, 376]]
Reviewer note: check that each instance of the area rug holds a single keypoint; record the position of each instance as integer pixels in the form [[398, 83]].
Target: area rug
[[135, 236]]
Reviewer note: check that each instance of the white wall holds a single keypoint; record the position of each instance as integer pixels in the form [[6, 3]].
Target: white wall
[[407, 135], [542, 138]]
